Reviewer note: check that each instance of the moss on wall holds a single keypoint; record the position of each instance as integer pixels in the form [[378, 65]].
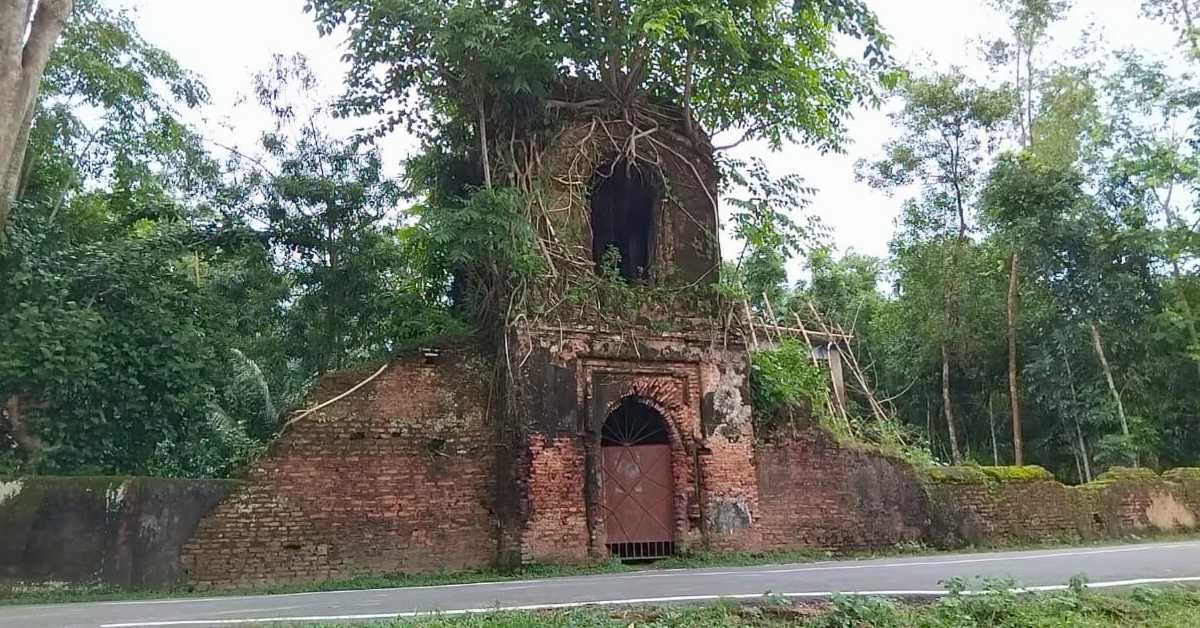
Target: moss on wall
[[1183, 474], [1028, 473], [1126, 473], [972, 474]]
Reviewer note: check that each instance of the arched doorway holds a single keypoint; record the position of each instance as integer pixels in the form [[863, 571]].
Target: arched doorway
[[624, 200], [638, 484]]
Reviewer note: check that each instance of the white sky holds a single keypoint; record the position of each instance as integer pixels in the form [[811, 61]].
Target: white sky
[[227, 40]]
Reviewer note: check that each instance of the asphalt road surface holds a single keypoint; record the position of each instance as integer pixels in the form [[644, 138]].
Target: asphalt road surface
[[1160, 564]]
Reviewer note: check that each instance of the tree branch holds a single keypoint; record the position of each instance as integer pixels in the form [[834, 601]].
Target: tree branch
[[748, 135], [32, 445]]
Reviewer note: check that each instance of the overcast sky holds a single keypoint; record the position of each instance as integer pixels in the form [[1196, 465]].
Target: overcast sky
[[226, 40]]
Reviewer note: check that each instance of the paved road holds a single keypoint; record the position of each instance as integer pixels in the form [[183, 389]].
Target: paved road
[[1117, 566]]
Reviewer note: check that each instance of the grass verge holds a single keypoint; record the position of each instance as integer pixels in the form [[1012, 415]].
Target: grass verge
[[997, 607]]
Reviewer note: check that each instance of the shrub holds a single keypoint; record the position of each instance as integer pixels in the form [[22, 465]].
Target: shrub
[[786, 387]]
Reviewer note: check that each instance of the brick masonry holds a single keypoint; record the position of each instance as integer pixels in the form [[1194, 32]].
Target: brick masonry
[[395, 478], [421, 470], [996, 512], [992, 507], [572, 380], [817, 494], [557, 527]]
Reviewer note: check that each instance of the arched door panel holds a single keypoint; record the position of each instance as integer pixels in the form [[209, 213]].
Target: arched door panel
[[638, 483]]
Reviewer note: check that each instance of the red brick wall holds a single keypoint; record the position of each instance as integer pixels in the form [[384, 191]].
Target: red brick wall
[[1188, 478], [996, 512], [817, 494], [975, 508], [556, 530], [730, 488], [402, 475], [397, 477]]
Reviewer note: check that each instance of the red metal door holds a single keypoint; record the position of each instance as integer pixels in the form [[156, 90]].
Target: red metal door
[[637, 498]]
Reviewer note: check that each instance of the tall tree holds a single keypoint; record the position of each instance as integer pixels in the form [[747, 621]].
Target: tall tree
[[1149, 144], [109, 111], [949, 126], [332, 218], [767, 67], [28, 31], [1028, 20], [135, 322], [1182, 15]]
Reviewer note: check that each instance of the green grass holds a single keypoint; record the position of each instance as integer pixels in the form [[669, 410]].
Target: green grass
[[1077, 608], [52, 593]]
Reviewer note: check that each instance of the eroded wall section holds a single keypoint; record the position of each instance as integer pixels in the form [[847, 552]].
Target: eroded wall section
[[397, 477]]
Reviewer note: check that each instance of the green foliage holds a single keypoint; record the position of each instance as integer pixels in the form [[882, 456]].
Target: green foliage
[[996, 605], [761, 65], [476, 80], [854, 611], [112, 356], [1180, 15], [948, 121], [786, 388], [166, 309], [486, 243], [108, 114], [763, 219]]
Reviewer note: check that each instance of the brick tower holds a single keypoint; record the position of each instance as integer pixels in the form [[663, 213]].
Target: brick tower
[[628, 401]]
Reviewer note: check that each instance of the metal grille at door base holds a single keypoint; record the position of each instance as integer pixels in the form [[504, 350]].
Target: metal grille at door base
[[642, 551]]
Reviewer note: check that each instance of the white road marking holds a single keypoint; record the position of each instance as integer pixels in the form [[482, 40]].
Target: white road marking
[[274, 609], [631, 602], [666, 573]]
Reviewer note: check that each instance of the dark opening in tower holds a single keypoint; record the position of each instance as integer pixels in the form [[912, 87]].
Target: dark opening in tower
[[624, 202]]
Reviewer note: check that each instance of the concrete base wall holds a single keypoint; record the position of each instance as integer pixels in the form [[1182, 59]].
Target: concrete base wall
[[116, 531]]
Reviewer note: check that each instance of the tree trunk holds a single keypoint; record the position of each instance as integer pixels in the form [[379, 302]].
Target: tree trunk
[[1014, 392], [1188, 316], [688, 85], [22, 61], [955, 455], [992, 425], [1029, 94], [1020, 108], [1098, 345], [1078, 467], [30, 443], [929, 420], [1083, 452], [483, 146], [1192, 36]]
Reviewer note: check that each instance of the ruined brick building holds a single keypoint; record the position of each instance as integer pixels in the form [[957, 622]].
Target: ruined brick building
[[608, 421], [579, 436]]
